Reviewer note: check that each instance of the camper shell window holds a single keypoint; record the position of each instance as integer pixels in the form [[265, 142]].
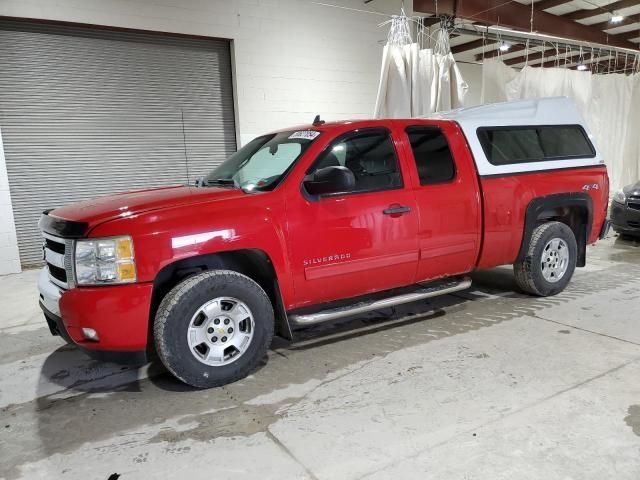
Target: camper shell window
[[537, 143]]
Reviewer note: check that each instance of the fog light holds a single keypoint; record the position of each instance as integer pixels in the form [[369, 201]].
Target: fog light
[[90, 334]]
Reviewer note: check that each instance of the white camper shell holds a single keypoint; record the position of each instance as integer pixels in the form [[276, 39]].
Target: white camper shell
[[526, 122]]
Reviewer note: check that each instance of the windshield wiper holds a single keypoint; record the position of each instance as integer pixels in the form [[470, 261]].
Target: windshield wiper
[[227, 182]]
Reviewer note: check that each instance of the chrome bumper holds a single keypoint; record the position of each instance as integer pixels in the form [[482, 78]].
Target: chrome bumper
[[50, 293]]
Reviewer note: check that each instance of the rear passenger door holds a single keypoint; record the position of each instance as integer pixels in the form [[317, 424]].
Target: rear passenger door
[[447, 193]]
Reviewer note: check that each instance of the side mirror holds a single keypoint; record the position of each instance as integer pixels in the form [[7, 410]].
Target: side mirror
[[330, 180]]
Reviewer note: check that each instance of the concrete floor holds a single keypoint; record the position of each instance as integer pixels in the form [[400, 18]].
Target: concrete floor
[[486, 384]]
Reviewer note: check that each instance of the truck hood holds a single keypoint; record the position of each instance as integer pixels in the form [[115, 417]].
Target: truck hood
[[102, 209]]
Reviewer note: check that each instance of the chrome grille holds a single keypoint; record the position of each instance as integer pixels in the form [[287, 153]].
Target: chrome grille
[[58, 256], [54, 245]]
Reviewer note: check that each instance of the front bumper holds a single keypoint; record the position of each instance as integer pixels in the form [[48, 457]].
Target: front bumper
[[119, 314], [56, 326], [625, 219]]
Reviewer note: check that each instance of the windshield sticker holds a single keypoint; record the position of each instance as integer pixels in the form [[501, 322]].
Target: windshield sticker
[[307, 134]]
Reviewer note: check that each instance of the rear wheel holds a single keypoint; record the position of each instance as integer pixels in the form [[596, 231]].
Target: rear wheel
[[213, 328], [549, 262]]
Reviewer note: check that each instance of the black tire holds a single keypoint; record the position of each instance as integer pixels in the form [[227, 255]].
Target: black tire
[[528, 272], [181, 304]]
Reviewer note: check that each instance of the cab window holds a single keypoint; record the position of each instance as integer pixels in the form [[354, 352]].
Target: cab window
[[370, 154]]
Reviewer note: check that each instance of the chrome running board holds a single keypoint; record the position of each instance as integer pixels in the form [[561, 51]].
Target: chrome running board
[[424, 291]]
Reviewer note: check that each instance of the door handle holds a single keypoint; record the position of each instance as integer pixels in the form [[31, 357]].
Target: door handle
[[396, 210]]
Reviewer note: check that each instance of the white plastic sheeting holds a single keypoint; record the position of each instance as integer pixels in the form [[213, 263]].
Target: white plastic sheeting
[[610, 104], [415, 82]]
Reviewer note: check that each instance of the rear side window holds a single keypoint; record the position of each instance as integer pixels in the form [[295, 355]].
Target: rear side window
[[508, 145], [432, 155]]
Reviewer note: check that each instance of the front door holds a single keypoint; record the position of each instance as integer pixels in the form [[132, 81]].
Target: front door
[[345, 245]]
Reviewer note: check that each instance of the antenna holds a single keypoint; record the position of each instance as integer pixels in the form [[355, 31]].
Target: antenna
[[317, 121]]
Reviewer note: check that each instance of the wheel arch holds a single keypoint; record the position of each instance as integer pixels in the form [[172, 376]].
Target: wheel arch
[[574, 209], [254, 263]]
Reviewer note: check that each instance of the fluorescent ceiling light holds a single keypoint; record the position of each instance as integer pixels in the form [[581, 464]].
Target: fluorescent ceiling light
[[616, 17], [582, 66], [504, 47]]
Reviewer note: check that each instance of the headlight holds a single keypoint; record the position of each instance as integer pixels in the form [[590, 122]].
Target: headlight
[[105, 260], [619, 196]]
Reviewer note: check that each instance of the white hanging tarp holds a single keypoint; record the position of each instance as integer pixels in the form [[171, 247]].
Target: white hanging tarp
[[609, 103], [416, 82], [394, 89]]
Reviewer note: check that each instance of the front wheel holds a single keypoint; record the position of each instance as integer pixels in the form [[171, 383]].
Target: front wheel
[[549, 262], [213, 328]]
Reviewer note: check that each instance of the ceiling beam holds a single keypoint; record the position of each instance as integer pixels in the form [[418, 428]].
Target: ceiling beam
[[431, 21], [551, 52], [597, 60], [517, 16], [605, 67], [606, 25], [628, 35], [625, 67], [599, 67], [463, 47], [586, 58], [519, 48], [532, 57], [547, 4], [592, 12], [554, 62]]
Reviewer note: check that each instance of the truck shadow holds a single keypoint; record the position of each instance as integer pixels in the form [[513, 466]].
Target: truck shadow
[[494, 282], [73, 372]]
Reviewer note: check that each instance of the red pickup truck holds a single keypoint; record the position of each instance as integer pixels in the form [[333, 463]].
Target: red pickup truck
[[319, 222]]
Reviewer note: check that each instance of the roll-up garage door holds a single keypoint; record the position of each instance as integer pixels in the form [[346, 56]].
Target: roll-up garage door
[[86, 112]]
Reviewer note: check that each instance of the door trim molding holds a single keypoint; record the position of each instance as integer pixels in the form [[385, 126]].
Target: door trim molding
[[447, 250]]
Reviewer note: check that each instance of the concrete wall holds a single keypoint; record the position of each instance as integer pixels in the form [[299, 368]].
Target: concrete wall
[[293, 58]]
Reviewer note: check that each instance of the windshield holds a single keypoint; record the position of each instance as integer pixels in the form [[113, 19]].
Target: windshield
[[262, 163]]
